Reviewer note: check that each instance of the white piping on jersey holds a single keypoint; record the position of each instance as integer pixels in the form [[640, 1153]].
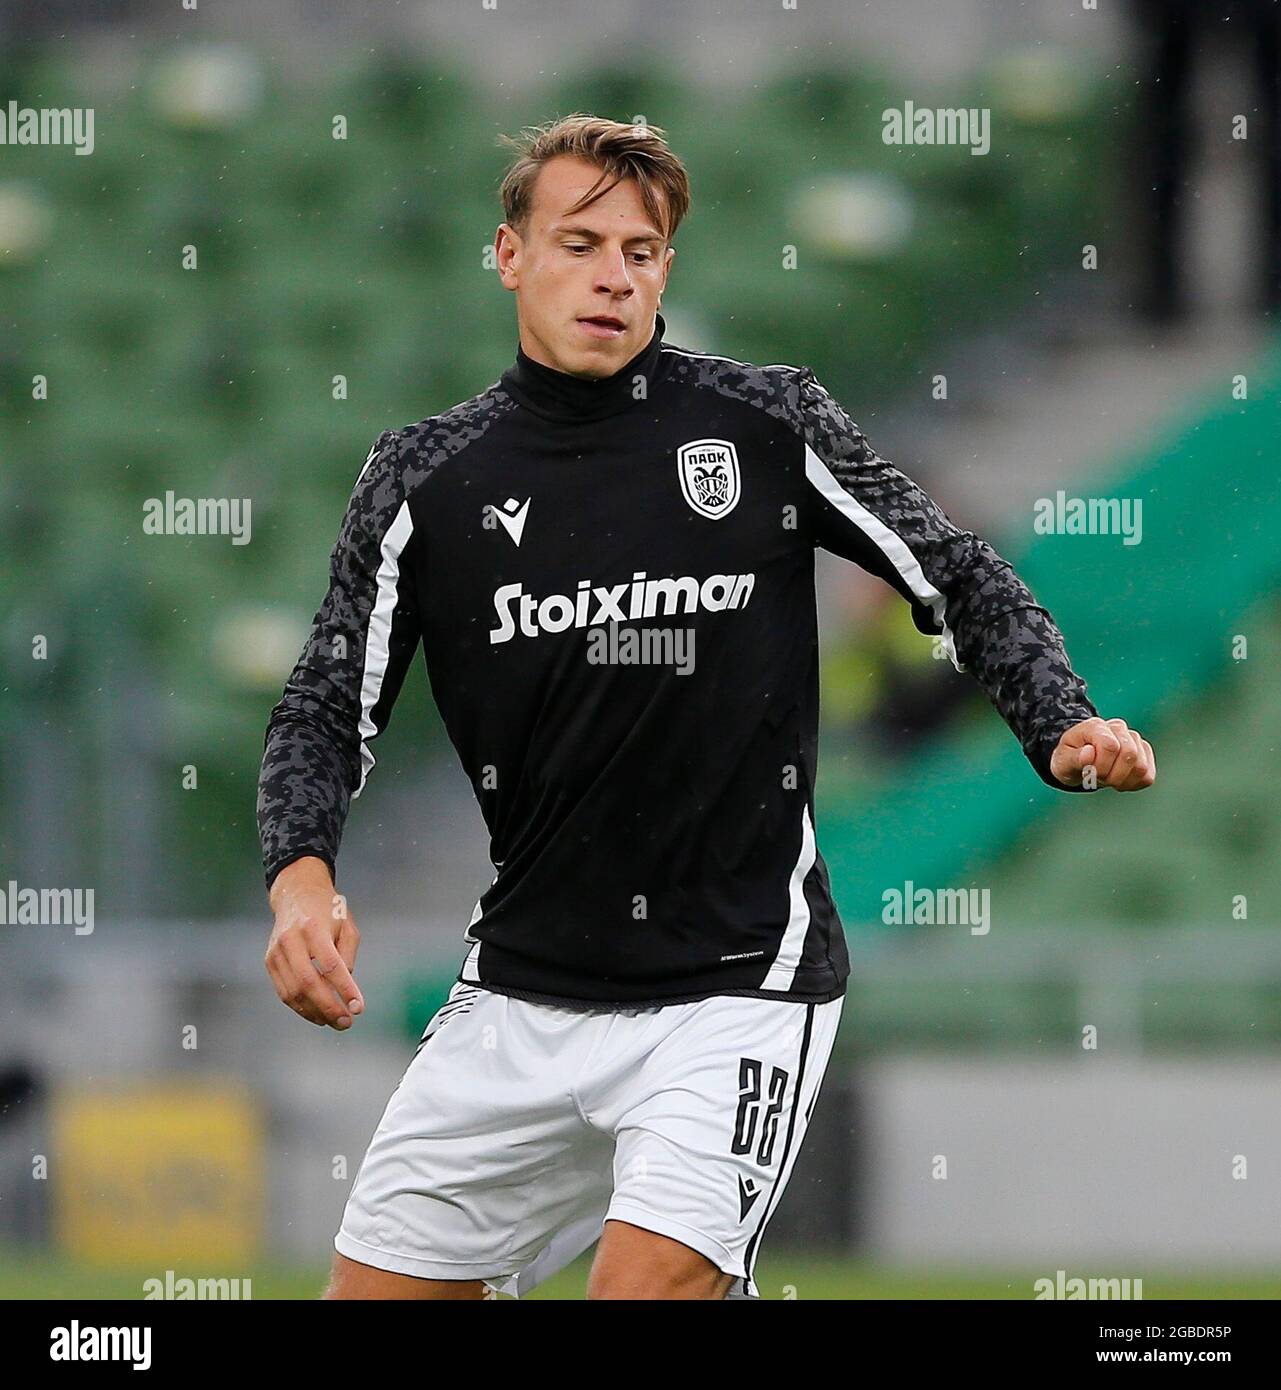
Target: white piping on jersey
[[378, 633], [471, 969], [888, 542], [783, 971], [716, 357], [364, 467], [476, 912]]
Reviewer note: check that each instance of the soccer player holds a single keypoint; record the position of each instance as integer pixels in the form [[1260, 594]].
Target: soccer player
[[608, 558]]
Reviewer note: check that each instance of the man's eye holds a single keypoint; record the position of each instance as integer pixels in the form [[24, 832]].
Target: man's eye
[[641, 257]]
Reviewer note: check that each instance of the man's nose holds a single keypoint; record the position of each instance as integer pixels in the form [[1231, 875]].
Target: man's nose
[[614, 274]]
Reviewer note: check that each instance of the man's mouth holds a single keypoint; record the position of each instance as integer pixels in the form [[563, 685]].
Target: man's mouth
[[603, 326]]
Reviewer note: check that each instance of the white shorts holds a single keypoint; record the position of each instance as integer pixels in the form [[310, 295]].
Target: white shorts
[[518, 1129]]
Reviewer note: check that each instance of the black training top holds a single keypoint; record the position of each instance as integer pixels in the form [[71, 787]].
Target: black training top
[[613, 584]]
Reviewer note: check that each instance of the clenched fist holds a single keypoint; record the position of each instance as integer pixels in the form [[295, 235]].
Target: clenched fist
[[1121, 759]]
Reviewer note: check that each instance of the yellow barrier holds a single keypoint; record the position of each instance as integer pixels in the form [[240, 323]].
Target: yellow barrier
[[169, 1172]]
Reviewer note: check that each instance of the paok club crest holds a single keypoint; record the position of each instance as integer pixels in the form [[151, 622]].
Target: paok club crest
[[708, 470]]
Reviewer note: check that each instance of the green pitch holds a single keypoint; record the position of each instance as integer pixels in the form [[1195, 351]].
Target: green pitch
[[43, 1276]]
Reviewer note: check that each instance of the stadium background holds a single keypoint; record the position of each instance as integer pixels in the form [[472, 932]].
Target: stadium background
[[159, 1109]]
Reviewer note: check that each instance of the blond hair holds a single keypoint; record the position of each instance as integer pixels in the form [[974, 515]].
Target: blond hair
[[618, 149]]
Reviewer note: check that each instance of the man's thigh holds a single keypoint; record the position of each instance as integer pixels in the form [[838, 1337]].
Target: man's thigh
[[481, 1157], [633, 1263], [708, 1127], [350, 1280]]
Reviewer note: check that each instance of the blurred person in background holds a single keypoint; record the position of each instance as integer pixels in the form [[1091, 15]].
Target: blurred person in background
[[1176, 36]]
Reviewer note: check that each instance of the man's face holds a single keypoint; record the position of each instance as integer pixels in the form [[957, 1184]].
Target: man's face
[[606, 261]]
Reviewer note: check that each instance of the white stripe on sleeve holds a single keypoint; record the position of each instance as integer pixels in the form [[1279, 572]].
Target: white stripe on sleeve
[[888, 542], [378, 635]]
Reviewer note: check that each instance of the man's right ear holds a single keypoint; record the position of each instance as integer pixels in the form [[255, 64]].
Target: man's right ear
[[506, 239]]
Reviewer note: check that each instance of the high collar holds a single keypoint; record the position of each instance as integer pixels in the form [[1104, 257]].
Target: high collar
[[561, 396]]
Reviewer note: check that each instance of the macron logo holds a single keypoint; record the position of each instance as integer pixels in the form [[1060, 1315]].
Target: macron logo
[[748, 1192], [512, 514]]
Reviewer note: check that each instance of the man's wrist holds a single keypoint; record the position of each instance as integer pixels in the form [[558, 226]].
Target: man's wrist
[[308, 872], [1041, 753]]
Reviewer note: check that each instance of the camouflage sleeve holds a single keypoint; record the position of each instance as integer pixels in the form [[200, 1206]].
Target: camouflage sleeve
[[316, 754], [960, 589]]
